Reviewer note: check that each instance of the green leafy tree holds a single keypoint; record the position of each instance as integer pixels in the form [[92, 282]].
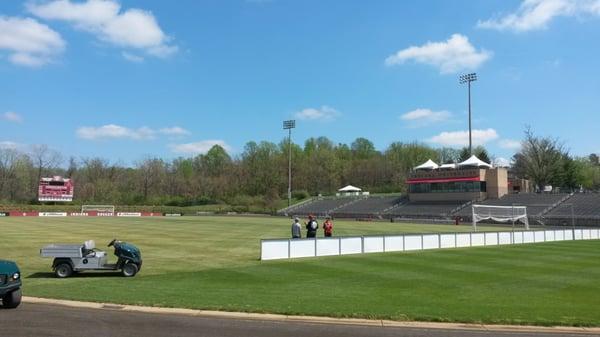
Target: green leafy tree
[[479, 151], [363, 148], [540, 158]]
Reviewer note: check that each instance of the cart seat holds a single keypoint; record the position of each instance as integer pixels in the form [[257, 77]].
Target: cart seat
[[89, 244]]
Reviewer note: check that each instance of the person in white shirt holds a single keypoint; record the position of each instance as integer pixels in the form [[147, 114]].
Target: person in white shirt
[[296, 229]]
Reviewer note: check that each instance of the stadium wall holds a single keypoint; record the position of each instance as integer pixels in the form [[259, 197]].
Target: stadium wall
[[274, 249]]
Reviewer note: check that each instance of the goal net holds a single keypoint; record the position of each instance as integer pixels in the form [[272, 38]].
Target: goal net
[[98, 208], [500, 214]]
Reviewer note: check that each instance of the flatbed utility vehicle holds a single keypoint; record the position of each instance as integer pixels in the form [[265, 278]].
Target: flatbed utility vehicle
[[70, 258]]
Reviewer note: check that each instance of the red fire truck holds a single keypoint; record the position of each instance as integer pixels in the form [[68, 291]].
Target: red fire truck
[[55, 189]]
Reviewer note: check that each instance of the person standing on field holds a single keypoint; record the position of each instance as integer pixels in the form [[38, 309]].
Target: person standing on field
[[328, 227], [296, 229], [311, 227]]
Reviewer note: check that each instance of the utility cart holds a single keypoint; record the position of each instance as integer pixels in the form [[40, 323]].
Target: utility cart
[[69, 258]]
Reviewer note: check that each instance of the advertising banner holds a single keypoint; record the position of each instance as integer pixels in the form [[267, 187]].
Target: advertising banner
[[151, 214], [53, 214], [78, 214], [129, 214], [104, 214], [15, 213]]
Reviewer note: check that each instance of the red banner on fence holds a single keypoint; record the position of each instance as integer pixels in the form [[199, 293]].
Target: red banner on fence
[[80, 214], [151, 214], [13, 213]]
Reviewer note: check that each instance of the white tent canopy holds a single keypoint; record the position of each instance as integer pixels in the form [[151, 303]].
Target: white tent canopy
[[448, 166], [428, 165], [350, 188], [474, 161]]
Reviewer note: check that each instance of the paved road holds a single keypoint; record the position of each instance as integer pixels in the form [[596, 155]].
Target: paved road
[[43, 320]]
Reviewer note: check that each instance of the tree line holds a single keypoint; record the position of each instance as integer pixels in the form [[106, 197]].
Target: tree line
[[259, 173]]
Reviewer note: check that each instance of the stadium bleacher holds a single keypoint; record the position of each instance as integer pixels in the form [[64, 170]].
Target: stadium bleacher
[[552, 209], [580, 206], [536, 203], [368, 207], [431, 209], [321, 207]]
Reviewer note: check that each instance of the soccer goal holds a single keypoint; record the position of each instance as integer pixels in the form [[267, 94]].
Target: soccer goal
[[500, 214], [98, 208]]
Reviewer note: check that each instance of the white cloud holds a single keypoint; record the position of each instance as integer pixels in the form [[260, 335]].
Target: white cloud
[[174, 131], [8, 145], [200, 147], [29, 42], [423, 117], [112, 131], [450, 56], [12, 117], [509, 144], [132, 57], [131, 29], [461, 138], [537, 14], [502, 162], [325, 113]]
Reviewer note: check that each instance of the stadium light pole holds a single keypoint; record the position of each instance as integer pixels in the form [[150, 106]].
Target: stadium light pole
[[289, 125], [468, 78]]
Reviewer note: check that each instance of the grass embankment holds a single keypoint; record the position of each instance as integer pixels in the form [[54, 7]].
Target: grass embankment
[[212, 263]]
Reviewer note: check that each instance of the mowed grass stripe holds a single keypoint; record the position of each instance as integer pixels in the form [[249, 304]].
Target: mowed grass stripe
[[212, 263]]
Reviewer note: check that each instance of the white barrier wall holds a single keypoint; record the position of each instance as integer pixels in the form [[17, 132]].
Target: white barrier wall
[[394, 243], [351, 245], [447, 240], [373, 244], [504, 238], [413, 242], [274, 249], [329, 246]]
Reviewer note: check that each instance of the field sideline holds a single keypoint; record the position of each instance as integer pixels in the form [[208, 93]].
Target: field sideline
[[212, 263]]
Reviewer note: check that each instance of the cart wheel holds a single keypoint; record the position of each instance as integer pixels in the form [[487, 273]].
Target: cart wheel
[[63, 270], [12, 300], [129, 269]]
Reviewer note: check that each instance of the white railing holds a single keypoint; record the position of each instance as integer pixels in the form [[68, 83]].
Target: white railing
[[286, 210], [273, 249]]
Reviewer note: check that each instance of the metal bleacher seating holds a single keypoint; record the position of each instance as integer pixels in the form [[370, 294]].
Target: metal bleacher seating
[[321, 207], [555, 209], [536, 203], [368, 207], [580, 205], [425, 209]]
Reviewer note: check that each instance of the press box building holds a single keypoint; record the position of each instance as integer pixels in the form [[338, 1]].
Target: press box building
[[472, 179]]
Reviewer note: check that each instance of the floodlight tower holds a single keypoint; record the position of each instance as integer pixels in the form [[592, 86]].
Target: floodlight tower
[[468, 78], [289, 125]]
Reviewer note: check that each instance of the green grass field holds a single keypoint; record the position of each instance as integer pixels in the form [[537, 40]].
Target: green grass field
[[212, 263]]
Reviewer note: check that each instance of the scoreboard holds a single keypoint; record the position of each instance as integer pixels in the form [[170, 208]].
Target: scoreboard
[[55, 189]]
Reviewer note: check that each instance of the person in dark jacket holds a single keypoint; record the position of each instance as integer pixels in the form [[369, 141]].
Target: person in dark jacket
[[311, 227]]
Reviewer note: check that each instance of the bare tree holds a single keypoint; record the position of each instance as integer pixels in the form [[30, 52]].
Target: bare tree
[[44, 159], [8, 159]]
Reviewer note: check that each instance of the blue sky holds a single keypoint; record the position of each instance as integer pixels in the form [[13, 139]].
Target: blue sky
[[128, 79]]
